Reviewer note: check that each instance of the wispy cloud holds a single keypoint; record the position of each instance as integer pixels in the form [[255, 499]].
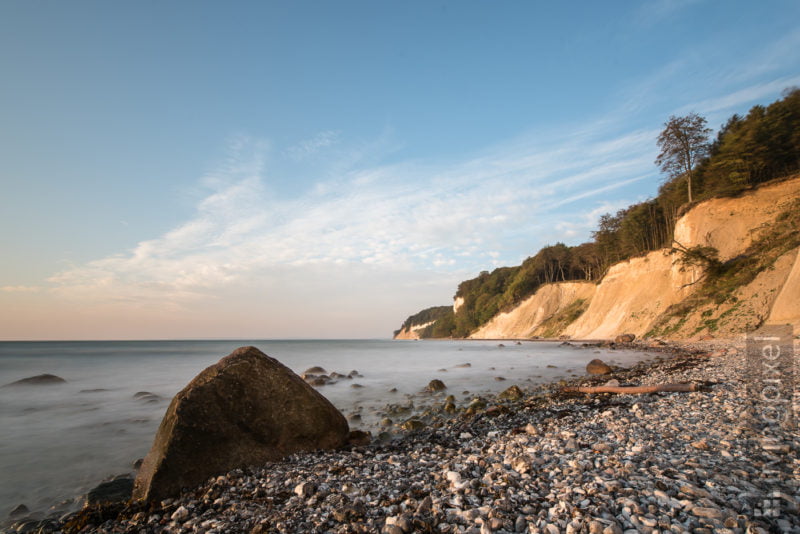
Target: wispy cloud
[[309, 147], [20, 289], [656, 11], [458, 216], [748, 95]]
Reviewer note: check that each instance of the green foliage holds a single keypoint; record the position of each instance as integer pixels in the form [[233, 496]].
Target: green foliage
[[443, 327], [699, 256], [505, 287], [426, 316], [748, 151], [683, 143]]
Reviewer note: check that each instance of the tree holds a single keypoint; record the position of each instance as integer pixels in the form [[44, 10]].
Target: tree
[[683, 142]]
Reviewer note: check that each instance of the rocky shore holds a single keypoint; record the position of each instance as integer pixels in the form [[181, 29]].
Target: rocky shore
[[547, 462]]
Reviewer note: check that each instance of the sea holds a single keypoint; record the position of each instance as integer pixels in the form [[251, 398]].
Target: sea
[[57, 441]]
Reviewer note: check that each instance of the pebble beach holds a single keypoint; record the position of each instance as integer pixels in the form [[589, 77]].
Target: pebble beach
[[547, 462]]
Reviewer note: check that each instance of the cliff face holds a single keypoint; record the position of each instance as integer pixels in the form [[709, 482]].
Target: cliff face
[[546, 303], [412, 332], [786, 308], [632, 295], [655, 294], [731, 224]]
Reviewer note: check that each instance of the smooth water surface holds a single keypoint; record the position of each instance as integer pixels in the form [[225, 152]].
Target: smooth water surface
[[59, 440]]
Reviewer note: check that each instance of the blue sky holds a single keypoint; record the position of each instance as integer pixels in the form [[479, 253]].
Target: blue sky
[[324, 169]]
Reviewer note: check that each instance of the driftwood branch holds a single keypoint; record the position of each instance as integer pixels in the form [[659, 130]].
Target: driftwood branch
[[633, 389]]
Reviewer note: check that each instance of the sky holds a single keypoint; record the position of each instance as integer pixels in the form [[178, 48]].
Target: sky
[[191, 169]]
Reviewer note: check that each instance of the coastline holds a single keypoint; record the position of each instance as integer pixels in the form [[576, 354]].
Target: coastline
[[549, 462]]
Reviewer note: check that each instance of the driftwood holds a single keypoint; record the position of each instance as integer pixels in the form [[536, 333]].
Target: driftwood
[[633, 389]]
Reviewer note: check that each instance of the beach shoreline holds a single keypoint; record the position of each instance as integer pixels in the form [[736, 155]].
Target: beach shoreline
[[549, 462]]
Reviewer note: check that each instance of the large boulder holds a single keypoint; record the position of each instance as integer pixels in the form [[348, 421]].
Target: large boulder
[[247, 409]]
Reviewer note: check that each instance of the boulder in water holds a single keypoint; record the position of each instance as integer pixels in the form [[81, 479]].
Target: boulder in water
[[117, 490], [598, 367], [247, 409], [38, 380], [625, 338], [435, 385], [146, 396], [20, 511]]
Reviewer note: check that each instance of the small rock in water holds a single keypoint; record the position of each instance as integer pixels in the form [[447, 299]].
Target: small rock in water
[[117, 490], [435, 385], [359, 438], [513, 393], [598, 367], [146, 396], [38, 380], [19, 511], [413, 425]]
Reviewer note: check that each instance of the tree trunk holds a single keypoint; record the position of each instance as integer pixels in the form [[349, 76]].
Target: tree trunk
[[682, 388]]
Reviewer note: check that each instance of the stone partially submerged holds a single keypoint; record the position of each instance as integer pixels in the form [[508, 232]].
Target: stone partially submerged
[[247, 409], [598, 367], [38, 380]]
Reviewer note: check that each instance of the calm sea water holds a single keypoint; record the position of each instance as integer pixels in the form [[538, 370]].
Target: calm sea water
[[59, 441]]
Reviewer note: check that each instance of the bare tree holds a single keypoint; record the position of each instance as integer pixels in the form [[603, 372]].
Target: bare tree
[[683, 142]]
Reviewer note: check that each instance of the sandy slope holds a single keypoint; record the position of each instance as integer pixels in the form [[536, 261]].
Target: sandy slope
[[786, 308], [546, 302], [731, 224], [632, 295]]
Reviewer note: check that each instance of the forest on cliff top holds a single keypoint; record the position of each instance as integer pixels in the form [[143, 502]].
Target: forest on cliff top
[[748, 151]]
